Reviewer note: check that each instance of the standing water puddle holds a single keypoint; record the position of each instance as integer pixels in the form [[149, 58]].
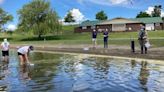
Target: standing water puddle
[[80, 73]]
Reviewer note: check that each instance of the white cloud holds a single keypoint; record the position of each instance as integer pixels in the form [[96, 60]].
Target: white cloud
[[77, 15], [150, 9], [108, 2], [11, 27], [115, 2], [162, 13], [1, 1]]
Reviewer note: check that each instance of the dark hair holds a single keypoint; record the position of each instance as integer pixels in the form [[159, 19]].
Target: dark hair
[[31, 47]]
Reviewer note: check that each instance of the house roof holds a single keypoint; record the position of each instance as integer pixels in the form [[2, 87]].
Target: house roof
[[89, 23], [119, 21], [149, 20], [123, 21]]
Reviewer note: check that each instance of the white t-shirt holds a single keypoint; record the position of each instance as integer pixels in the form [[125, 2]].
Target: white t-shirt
[[5, 46], [23, 50]]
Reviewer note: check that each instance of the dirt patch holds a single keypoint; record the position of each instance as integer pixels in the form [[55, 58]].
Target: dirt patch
[[123, 51]]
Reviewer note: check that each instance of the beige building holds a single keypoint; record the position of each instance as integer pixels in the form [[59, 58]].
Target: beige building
[[122, 24]]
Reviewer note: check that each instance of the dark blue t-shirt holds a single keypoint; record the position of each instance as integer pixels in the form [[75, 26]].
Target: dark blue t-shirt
[[94, 34], [105, 35]]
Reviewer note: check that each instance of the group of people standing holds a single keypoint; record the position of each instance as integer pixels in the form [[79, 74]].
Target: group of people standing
[[94, 37], [142, 38], [23, 52]]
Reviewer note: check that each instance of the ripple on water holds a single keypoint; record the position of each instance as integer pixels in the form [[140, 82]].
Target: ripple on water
[[81, 73]]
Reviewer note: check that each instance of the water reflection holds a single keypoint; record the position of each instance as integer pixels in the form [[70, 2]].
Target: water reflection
[[133, 63], [80, 73], [4, 72], [144, 75], [4, 69], [25, 72], [101, 67]]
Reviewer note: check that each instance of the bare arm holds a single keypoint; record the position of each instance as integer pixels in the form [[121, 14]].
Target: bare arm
[[1, 46], [26, 58], [9, 47]]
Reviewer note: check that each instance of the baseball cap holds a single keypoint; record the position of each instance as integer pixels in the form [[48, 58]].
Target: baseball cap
[[31, 47]]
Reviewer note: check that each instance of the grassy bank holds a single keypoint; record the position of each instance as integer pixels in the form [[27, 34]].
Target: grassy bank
[[68, 37]]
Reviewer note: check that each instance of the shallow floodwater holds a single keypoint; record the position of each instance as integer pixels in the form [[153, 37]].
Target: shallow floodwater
[[80, 73]]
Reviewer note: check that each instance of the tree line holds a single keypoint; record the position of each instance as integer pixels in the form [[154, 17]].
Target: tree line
[[36, 16], [155, 13]]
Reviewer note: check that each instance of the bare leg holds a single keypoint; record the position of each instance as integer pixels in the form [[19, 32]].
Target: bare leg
[[21, 59], [6, 58], [3, 58], [95, 43]]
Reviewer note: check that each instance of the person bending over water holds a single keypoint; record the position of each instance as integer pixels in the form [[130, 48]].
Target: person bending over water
[[23, 53]]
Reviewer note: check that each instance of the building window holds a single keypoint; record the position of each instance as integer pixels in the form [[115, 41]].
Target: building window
[[84, 27], [118, 27], [100, 30], [157, 24], [130, 29], [93, 27]]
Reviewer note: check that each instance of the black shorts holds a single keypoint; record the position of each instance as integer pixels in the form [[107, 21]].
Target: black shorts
[[20, 54], [5, 53]]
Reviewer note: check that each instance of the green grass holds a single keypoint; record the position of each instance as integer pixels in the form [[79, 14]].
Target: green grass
[[70, 38], [68, 29]]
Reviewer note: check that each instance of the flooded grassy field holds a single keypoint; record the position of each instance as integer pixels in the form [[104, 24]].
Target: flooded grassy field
[[80, 73]]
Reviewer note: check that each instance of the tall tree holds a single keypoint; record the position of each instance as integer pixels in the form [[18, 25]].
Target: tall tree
[[143, 15], [69, 18], [101, 16], [38, 17], [163, 18], [157, 11], [4, 18]]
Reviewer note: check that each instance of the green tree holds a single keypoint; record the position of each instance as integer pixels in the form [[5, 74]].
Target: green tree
[[38, 17], [157, 11], [69, 18], [4, 18], [142, 15], [101, 16]]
